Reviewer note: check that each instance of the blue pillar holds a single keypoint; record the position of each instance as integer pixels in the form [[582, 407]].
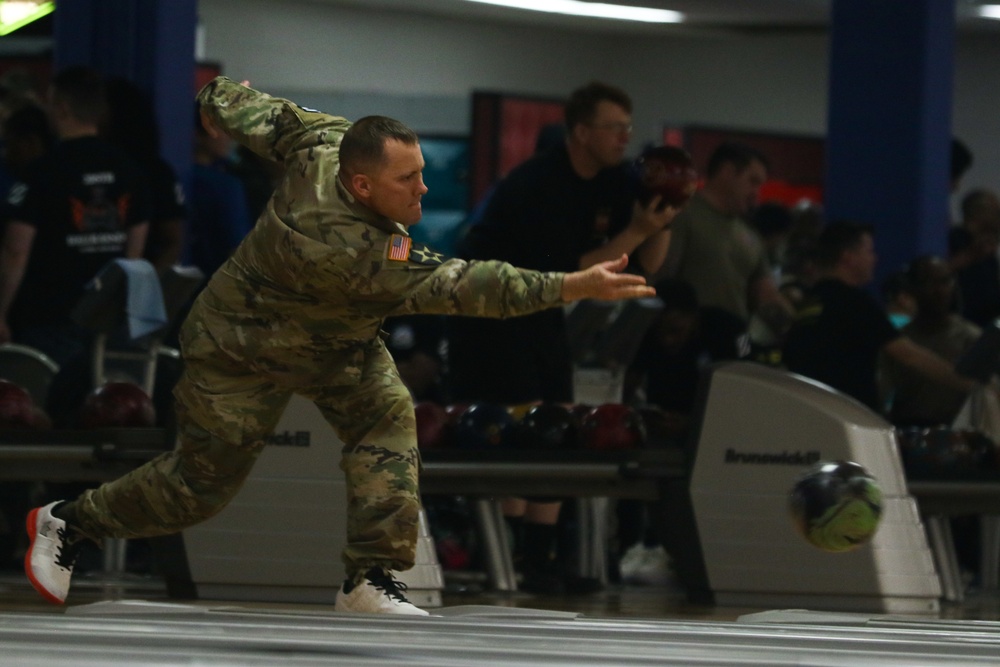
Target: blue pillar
[[150, 42], [889, 124]]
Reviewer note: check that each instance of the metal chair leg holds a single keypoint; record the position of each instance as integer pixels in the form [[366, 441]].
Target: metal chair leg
[[989, 554], [943, 546], [496, 546]]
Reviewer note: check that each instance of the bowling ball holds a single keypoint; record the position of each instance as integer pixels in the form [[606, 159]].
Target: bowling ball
[[941, 452], [663, 428], [518, 411], [667, 172], [453, 526], [117, 405], [983, 453], [484, 426], [40, 419], [914, 451], [17, 409], [580, 411], [967, 454], [836, 506], [549, 426], [432, 420], [612, 426], [454, 411]]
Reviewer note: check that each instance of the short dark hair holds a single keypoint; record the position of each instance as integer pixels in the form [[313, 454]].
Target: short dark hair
[[895, 284], [920, 267], [734, 152], [81, 89], [838, 237], [362, 147], [130, 121], [582, 105]]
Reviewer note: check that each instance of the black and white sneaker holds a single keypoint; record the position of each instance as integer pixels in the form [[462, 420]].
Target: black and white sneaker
[[377, 593], [51, 553]]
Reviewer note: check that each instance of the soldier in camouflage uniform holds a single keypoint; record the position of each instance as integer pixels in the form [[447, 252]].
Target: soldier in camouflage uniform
[[298, 309]]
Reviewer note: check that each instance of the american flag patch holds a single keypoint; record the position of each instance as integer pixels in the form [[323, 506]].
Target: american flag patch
[[399, 247]]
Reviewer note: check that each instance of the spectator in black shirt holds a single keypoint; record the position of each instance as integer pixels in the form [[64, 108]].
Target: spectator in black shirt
[[840, 328], [565, 209], [79, 207]]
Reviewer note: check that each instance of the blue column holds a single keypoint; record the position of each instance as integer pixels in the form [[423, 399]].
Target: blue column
[[150, 42], [889, 124]]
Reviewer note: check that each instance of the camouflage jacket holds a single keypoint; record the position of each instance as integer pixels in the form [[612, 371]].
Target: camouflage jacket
[[319, 271]]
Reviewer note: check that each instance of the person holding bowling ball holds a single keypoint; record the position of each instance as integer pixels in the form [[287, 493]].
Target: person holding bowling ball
[[567, 208]]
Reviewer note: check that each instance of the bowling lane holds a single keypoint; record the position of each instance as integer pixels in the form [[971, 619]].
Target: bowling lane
[[169, 634]]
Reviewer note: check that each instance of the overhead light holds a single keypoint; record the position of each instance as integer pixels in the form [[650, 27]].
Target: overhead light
[[592, 9], [990, 11], [16, 14]]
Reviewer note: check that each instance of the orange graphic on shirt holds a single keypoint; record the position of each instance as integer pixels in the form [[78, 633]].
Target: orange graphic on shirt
[[100, 214]]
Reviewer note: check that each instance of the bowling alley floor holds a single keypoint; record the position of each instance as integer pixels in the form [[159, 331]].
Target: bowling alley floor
[[131, 621], [615, 601]]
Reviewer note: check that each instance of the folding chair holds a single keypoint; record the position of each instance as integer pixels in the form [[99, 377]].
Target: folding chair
[[28, 367], [130, 308]]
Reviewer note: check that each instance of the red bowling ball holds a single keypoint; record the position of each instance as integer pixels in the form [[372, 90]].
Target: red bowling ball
[[612, 426], [17, 409], [40, 419], [667, 172], [432, 421], [118, 405]]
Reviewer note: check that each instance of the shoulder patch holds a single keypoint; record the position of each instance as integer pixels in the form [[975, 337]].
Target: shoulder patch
[[421, 254], [399, 247]]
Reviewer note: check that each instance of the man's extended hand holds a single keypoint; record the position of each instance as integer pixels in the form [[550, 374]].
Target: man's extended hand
[[606, 282]]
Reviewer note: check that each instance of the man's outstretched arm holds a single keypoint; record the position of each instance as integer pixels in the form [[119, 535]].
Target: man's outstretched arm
[[498, 290]]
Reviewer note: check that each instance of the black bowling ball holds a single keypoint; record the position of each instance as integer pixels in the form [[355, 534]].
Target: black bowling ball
[[549, 426]]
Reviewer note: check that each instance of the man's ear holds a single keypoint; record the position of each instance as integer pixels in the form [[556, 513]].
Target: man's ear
[[362, 186]]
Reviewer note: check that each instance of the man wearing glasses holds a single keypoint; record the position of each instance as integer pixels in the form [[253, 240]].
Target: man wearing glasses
[[569, 206]]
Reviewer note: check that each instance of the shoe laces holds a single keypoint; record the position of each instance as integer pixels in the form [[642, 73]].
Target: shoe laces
[[68, 549], [383, 581]]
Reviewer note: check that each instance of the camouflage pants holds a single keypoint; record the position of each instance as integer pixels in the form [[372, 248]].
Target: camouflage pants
[[225, 411]]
